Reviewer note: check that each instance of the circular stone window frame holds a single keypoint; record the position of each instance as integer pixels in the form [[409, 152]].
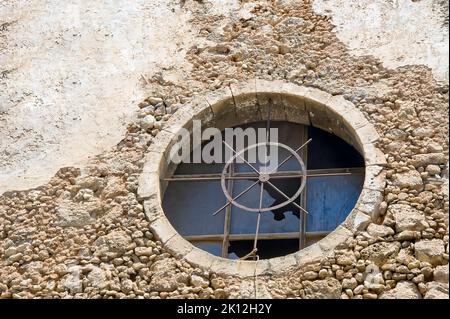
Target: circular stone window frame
[[245, 103]]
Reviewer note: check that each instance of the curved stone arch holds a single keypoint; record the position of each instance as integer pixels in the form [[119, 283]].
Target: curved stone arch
[[248, 102]]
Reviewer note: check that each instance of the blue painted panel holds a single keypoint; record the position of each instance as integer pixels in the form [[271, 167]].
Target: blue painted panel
[[189, 207], [244, 222], [330, 199], [211, 247]]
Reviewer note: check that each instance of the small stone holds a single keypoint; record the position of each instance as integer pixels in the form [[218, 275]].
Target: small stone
[[182, 278], [137, 234], [143, 251], [198, 281], [220, 294], [148, 122], [310, 275], [358, 290], [414, 264], [379, 230], [349, 293], [430, 158], [370, 296], [160, 110], [10, 251], [399, 277], [361, 221], [436, 290], [407, 235], [220, 49], [347, 258], [410, 179], [407, 217], [403, 290], [434, 147], [427, 272], [142, 104], [440, 274], [430, 251], [69, 215], [15, 257], [154, 100], [418, 279], [127, 285], [422, 288], [272, 49], [217, 283], [359, 277], [323, 273], [349, 283], [433, 169], [379, 253], [328, 288], [283, 49], [97, 278], [402, 269], [73, 282]]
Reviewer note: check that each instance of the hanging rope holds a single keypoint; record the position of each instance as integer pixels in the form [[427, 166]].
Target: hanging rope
[[254, 254]]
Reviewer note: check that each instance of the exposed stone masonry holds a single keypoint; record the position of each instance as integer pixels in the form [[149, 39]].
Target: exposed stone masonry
[[85, 234]]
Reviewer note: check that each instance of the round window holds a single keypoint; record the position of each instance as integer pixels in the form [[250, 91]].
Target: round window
[[297, 175]]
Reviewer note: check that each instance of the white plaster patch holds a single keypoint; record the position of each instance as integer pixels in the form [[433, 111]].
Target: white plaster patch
[[399, 32], [73, 77]]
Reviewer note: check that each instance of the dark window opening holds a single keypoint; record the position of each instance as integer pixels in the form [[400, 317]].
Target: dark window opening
[[329, 151]]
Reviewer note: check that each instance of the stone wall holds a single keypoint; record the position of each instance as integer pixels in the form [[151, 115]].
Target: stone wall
[[85, 234]]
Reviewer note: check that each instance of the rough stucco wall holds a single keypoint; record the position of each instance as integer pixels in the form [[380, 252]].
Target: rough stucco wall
[[71, 78], [84, 233], [398, 32]]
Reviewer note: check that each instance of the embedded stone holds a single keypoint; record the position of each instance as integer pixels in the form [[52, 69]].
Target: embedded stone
[[349, 283], [379, 253], [433, 169], [430, 251], [403, 290], [410, 179], [73, 282], [116, 241], [436, 290], [430, 158], [379, 230], [148, 122], [329, 288], [143, 251], [440, 274], [75, 215], [360, 221], [310, 275], [407, 235], [198, 281], [97, 278], [346, 258], [153, 100], [407, 217]]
